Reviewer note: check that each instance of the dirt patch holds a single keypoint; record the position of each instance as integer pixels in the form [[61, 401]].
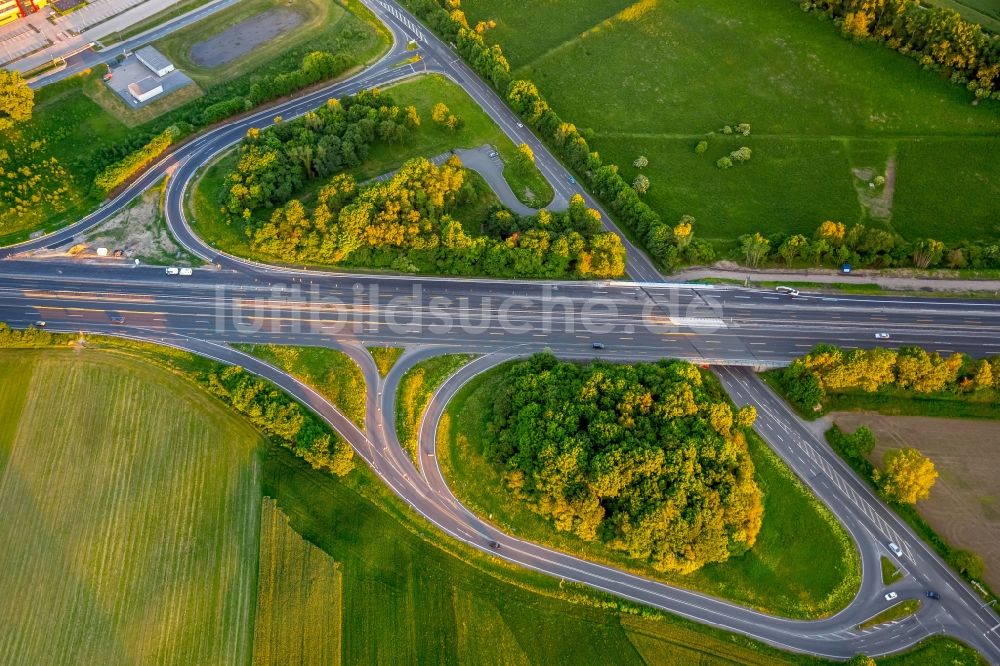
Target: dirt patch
[[874, 198], [238, 40], [964, 506]]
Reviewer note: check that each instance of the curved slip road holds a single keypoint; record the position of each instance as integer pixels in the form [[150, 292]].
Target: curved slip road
[[645, 320]]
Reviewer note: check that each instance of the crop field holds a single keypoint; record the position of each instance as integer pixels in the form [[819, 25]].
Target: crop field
[[130, 529], [964, 505], [654, 77], [298, 597]]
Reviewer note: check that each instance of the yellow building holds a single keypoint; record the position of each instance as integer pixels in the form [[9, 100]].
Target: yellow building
[[11, 10]]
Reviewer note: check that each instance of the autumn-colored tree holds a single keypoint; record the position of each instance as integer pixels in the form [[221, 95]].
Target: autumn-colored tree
[[684, 231], [641, 162], [984, 375], [832, 232], [755, 248], [525, 155], [907, 476], [412, 117], [16, 99], [439, 113], [641, 184]]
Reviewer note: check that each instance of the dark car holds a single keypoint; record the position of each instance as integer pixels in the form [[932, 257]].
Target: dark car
[[117, 319], [931, 594], [494, 545], [598, 345]]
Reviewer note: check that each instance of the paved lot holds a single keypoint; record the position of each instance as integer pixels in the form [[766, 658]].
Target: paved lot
[[132, 71], [240, 39], [18, 39], [94, 13]]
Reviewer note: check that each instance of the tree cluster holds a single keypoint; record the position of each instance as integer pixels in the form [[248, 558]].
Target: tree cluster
[[828, 368], [649, 459], [120, 172], [406, 223], [275, 163], [282, 419], [936, 37], [835, 243], [16, 99], [26, 337]]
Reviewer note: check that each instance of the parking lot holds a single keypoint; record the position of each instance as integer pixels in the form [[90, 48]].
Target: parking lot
[[133, 71]]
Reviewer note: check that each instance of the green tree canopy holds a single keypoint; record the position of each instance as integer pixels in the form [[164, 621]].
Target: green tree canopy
[[16, 99], [649, 458]]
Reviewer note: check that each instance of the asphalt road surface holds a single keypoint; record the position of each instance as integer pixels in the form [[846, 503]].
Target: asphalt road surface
[[235, 300]]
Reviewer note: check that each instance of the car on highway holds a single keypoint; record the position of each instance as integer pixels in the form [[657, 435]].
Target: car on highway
[[494, 545], [187, 271], [173, 270], [572, 180], [895, 549], [792, 292], [117, 318], [598, 345], [520, 125], [881, 336], [931, 594], [39, 324], [889, 596]]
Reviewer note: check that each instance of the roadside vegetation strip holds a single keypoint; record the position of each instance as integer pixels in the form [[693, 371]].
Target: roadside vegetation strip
[[299, 600], [132, 506], [56, 162], [796, 578], [385, 358], [833, 120], [416, 388], [332, 373], [898, 612], [890, 572]]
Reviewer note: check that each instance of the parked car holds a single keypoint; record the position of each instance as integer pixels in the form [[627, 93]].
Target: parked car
[[787, 290], [881, 336], [895, 549], [889, 596]]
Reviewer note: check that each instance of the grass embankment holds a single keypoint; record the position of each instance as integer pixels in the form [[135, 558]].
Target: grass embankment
[[428, 140], [890, 572], [390, 564], [415, 390], [131, 507], [821, 110], [65, 157], [332, 373], [897, 612], [299, 598], [385, 358], [792, 577]]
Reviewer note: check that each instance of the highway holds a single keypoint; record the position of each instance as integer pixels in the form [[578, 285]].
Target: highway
[[235, 300]]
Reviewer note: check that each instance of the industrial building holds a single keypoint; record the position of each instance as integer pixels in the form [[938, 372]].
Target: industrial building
[[145, 89], [154, 60], [11, 10]]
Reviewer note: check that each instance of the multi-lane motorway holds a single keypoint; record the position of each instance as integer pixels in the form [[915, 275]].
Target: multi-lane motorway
[[236, 300]]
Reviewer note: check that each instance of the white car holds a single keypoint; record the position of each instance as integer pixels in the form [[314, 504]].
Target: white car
[[881, 336], [895, 549], [889, 596], [173, 270], [187, 271], [787, 290]]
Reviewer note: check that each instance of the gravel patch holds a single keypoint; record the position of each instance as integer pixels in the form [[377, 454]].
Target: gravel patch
[[240, 39]]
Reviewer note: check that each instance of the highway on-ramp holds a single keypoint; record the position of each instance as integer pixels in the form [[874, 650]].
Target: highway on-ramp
[[236, 300]]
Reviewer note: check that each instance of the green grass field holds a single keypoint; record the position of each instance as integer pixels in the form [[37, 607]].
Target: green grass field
[[890, 573], [653, 78], [415, 390], [796, 578], [385, 357], [333, 373], [896, 612], [131, 514], [298, 597]]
